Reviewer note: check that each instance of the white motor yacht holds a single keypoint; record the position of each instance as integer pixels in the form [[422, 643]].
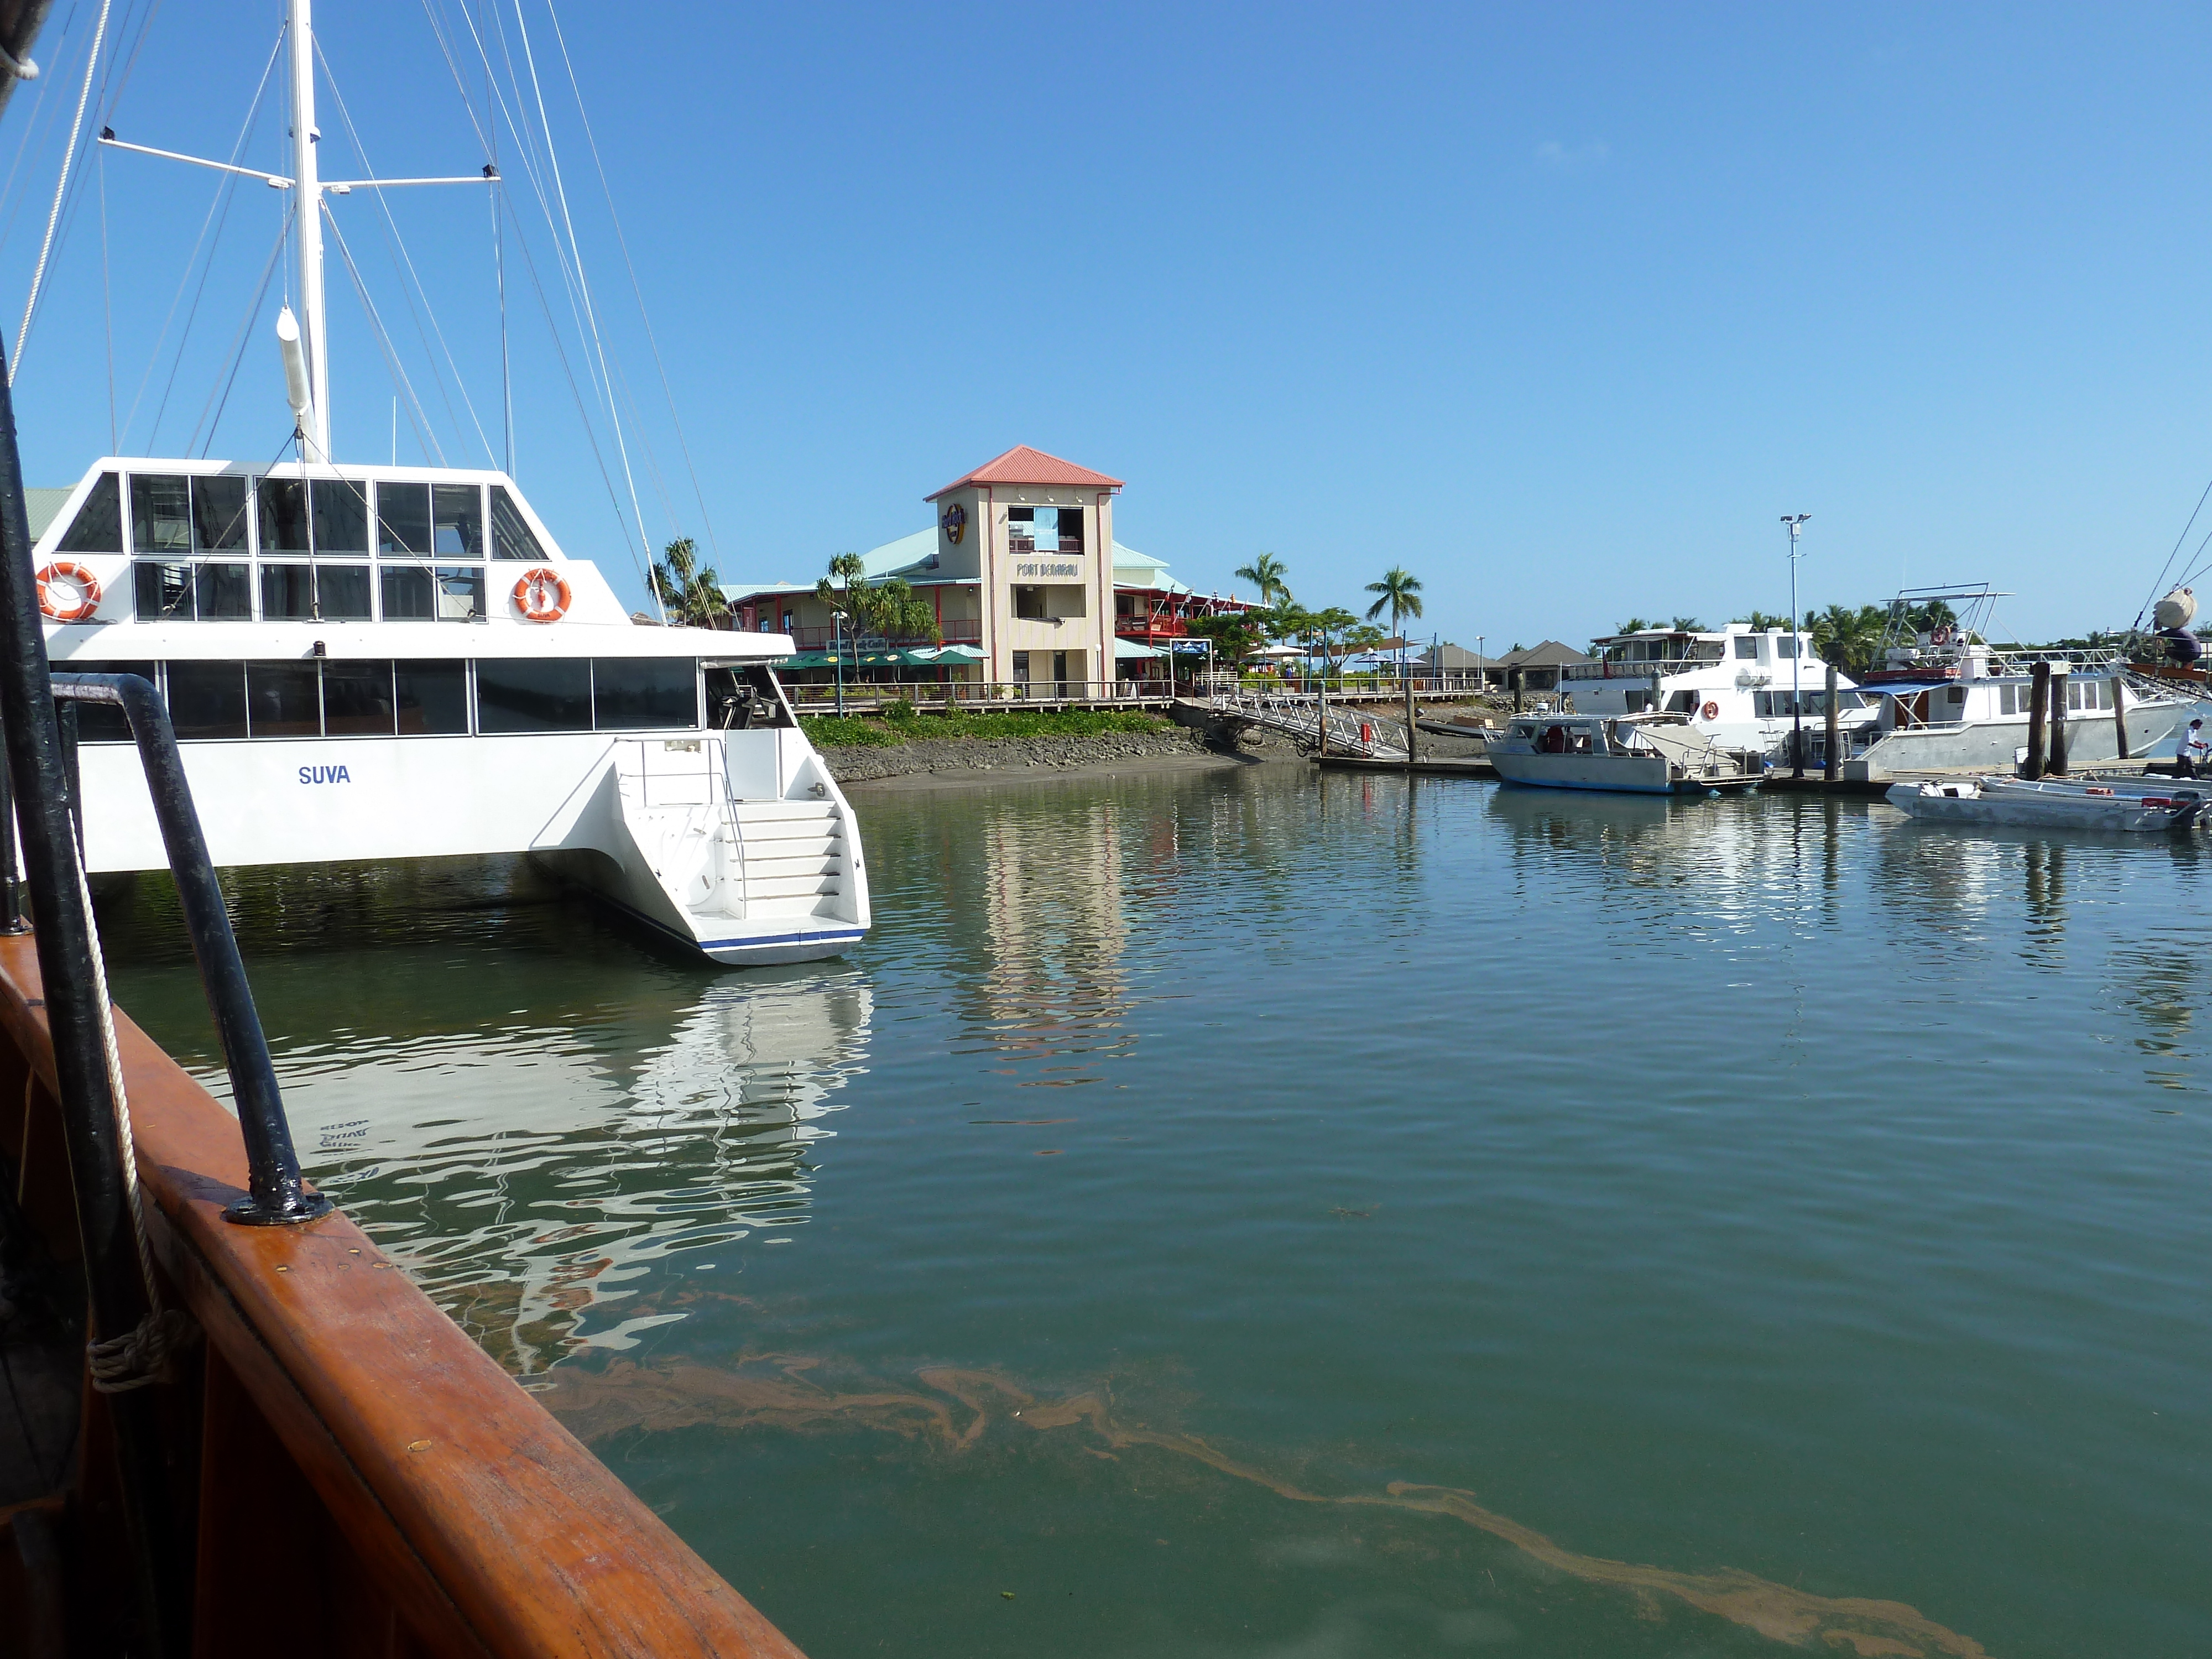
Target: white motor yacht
[[1734, 684], [368, 662], [1948, 701], [1646, 754]]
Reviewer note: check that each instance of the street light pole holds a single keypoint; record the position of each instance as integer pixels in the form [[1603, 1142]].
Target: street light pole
[[1793, 523], [837, 627]]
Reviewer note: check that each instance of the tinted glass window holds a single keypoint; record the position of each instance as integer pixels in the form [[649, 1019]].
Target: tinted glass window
[[460, 521], [546, 694], [343, 590], [163, 592], [402, 517], [160, 513], [406, 593], [219, 514], [639, 693], [283, 515], [98, 528], [207, 698], [357, 700], [341, 506], [225, 591], [510, 536], [460, 592], [103, 722], [432, 697], [288, 592], [284, 699]]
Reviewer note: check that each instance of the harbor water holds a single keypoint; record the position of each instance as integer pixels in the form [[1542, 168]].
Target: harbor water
[[1250, 1213]]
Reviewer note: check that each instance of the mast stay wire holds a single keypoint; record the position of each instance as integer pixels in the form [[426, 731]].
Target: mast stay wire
[[533, 170], [396, 244], [416, 414], [637, 291], [2159, 582], [599, 345], [61, 189], [245, 132], [237, 352]]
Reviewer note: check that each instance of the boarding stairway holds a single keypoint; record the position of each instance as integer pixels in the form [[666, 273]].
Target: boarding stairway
[[718, 855], [1349, 730]]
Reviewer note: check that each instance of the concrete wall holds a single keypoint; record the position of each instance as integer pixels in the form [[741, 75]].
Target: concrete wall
[[1079, 586]]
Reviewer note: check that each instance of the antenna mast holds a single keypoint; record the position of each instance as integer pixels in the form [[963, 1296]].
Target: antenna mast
[[307, 226]]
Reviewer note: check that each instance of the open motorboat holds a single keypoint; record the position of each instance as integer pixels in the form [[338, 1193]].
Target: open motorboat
[[2052, 804], [1649, 754]]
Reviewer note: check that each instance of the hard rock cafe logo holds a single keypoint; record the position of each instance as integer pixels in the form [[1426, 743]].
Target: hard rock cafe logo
[[955, 522]]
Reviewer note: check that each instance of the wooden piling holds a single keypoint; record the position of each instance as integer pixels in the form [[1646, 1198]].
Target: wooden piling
[[2038, 711], [1514, 682], [1832, 768], [2120, 717], [2059, 685], [1410, 756]]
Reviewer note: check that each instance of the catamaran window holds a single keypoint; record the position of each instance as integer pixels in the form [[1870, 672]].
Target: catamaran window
[[283, 515], [99, 525], [207, 698], [433, 697], [542, 694], [341, 506], [403, 518], [631, 694], [160, 514], [224, 592], [406, 593], [163, 592], [510, 535], [103, 722], [1746, 648], [289, 593], [218, 515], [356, 699], [459, 521], [284, 699], [460, 593], [342, 592]]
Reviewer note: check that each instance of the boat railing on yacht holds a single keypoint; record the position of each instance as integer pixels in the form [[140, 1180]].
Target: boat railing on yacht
[[1636, 668]]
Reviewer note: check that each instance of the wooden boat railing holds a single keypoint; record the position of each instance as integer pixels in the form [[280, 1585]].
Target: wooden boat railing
[[354, 1469]]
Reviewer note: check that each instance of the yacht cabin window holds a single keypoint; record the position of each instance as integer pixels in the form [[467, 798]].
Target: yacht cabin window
[[98, 528], [534, 695], [458, 521], [1746, 648], [403, 518], [510, 532]]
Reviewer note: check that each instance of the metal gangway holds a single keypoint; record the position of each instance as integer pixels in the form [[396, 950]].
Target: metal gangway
[[1349, 730]]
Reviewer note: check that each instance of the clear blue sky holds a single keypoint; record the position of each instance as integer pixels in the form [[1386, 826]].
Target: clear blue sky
[[1560, 308]]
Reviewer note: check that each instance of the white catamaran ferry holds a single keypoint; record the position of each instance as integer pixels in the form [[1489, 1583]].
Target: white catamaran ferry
[[391, 662]]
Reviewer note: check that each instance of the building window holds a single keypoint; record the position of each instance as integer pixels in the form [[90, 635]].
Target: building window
[[98, 526], [1044, 530], [1029, 604], [1021, 667]]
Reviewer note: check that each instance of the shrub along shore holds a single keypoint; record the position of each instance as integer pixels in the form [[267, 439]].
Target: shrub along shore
[[895, 727]]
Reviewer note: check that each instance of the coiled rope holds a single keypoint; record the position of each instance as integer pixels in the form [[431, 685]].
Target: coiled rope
[[141, 1355]]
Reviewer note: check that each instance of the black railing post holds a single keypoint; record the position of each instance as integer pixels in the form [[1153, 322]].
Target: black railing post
[[115, 1292], [275, 1197], [11, 880], [72, 769]]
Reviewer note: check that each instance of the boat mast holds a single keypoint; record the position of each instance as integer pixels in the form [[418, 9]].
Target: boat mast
[[307, 228]]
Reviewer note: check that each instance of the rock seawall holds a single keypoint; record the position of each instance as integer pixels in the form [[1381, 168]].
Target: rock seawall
[[859, 765]]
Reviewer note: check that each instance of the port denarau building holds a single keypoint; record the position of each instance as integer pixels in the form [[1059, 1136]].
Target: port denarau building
[[1025, 582]]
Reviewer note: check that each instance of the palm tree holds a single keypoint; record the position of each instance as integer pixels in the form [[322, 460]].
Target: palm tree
[[689, 595], [1265, 573], [1687, 625], [1401, 595], [1633, 625], [1763, 620], [1850, 639]]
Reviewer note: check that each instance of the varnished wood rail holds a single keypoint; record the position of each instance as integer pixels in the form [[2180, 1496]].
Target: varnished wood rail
[[363, 1478]]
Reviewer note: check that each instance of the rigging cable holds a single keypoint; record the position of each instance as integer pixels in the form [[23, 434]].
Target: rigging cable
[[397, 243], [2158, 580], [560, 192], [107, 307], [416, 414], [61, 185], [622, 241], [237, 353]]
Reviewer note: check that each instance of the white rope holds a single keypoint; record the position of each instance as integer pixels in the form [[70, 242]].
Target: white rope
[[61, 187], [139, 1356]]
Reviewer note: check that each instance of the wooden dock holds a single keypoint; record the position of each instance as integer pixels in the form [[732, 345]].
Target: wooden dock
[[1778, 782]]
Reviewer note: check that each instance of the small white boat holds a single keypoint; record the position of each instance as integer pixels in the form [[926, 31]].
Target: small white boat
[[2052, 803], [1638, 754]]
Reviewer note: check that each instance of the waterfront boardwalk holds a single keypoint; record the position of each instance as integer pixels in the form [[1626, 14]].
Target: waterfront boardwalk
[[1774, 782]]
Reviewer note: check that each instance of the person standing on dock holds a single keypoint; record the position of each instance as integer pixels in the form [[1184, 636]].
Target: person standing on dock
[[2195, 750]]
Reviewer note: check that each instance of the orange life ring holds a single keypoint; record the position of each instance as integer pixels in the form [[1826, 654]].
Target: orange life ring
[[1712, 711], [87, 588], [542, 595]]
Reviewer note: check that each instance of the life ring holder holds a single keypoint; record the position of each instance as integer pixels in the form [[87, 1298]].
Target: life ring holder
[[542, 595], [87, 588], [1711, 710]]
